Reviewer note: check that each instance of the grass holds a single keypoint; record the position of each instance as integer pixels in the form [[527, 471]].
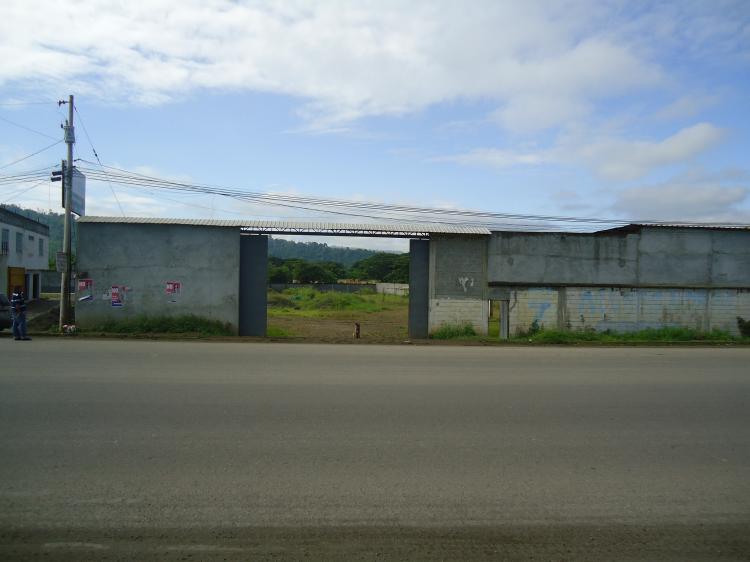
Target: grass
[[186, 324], [277, 332], [453, 331], [651, 335], [309, 303]]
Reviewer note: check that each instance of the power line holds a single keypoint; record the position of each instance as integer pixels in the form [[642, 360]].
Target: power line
[[27, 128], [86, 132], [18, 103], [30, 155], [327, 205], [22, 191]]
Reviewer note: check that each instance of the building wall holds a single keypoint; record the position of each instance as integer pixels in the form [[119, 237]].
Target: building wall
[[647, 257], [29, 257], [140, 259], [458, 282], [627, 309]]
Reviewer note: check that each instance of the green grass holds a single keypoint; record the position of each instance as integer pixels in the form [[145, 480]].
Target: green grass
[[453, 331], [186, 324], [276, 332], [651, 335], [309, 303]]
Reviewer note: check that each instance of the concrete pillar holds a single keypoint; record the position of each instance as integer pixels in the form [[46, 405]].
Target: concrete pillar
[[253, 285], [419, 285], [504, 319]]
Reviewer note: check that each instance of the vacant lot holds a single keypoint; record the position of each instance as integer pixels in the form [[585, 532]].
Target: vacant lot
[[330, 317]]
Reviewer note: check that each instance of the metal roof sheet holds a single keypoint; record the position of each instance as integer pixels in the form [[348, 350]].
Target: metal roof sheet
[[318, 228], [636, 225]]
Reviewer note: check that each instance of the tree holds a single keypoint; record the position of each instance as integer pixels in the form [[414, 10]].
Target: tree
[[305, 272], [279, 274], [391, 268]]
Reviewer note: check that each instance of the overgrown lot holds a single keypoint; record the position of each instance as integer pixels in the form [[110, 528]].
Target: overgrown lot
[[308, 314]]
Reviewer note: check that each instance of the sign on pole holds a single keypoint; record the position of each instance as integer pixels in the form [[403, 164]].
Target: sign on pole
[[61, 262], [79, 193], [78, 197]]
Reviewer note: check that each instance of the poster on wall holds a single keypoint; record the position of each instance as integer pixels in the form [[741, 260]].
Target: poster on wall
[[85, 290], [173, 290], [116, 296]]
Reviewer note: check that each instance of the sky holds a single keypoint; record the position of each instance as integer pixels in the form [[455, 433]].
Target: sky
[[617, 109]]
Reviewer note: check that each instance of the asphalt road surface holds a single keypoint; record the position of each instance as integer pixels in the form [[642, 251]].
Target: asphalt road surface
[[119, 450]]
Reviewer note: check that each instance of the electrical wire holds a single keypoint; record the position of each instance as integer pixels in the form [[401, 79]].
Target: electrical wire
[[22, 191], [26, 128], [75, 107], [30, 155], [327, 205], [17, 103]]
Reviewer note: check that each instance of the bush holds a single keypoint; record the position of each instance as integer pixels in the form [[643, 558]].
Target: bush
[[186, 324], [744, 327], [453, 331], [653, 335]]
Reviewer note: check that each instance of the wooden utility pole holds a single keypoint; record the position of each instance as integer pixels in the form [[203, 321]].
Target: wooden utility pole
[[70, 140]]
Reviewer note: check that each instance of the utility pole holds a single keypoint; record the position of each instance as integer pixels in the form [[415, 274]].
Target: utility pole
[[70, 140]]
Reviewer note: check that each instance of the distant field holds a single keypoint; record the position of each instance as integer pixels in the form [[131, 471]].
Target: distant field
[[306, 313]]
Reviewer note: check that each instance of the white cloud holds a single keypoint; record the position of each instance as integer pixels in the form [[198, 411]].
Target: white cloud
[[626, 160], [609, 158], [687, 106], [500, 158], [344, 59], [695, 197]]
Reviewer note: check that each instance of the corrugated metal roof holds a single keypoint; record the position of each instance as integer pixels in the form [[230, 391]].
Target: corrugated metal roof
[[637, 225], [319, 228]]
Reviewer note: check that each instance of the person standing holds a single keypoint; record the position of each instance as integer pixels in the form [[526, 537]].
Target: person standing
[[18, 314]]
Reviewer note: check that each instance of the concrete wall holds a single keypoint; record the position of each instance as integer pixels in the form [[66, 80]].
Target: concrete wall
[[26, 255], [627, 309], [401, 289], [458, 282], [647, 257], [141, 259]]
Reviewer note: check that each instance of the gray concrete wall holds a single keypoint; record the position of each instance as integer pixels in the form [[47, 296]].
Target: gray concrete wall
[[141, 259], [458, 282], [627, 309], [649, 257]]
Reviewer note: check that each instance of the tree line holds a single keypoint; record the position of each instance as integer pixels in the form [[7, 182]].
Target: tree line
[[381, 266]]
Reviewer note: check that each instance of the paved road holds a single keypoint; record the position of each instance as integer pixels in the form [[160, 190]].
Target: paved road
[[170, 450]]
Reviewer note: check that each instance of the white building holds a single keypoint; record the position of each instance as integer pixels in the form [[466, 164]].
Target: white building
[[24, 253]]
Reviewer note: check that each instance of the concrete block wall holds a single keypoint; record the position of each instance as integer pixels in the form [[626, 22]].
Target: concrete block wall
[[458, 282], [140, 260], [627, 309], [459, 312], [639, 257], [536, 304]]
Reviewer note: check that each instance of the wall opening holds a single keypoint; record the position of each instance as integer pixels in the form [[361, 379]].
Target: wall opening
[[498, 321]]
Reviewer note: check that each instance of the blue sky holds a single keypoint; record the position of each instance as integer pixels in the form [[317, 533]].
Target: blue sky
[[630, 110]]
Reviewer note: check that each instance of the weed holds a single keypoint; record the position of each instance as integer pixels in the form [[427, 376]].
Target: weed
[[650, 335], [454, 331], [309, 303], [186, 324]]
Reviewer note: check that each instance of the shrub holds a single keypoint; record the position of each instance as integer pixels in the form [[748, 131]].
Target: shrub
[[185, 324], [453, 331], [744, 327]]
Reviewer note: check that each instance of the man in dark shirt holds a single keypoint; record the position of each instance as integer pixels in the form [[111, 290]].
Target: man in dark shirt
[[18, 314]]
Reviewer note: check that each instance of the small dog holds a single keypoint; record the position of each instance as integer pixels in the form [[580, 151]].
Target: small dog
[[69, 329]]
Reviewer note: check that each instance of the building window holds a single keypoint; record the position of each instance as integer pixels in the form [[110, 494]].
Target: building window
[[19, 242], [41, 246], [4, 242]]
